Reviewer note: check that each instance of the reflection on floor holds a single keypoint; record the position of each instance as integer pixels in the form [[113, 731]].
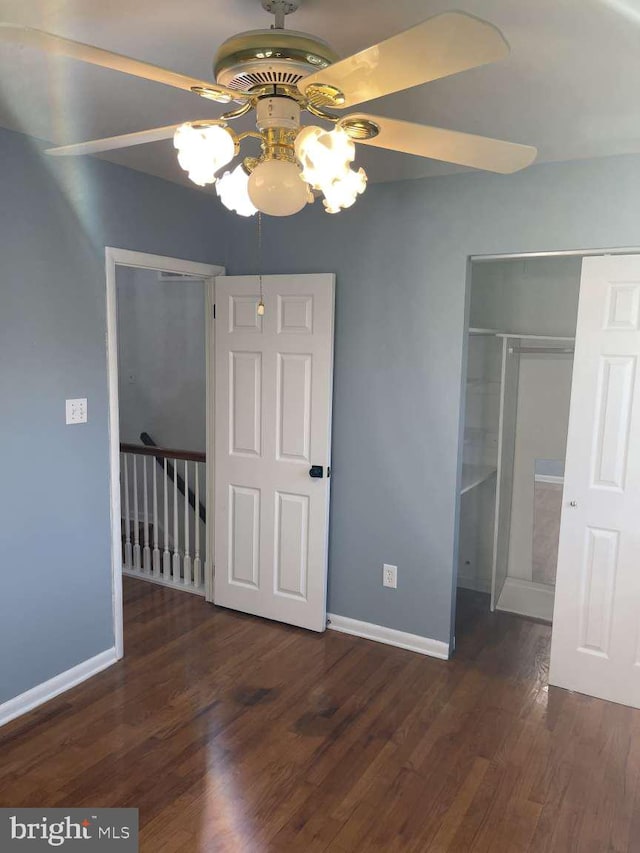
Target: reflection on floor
[[234, 734]]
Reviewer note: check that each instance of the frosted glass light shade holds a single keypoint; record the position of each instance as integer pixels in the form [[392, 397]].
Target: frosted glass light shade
[[325, 155], [277, 189], [326, 158], [343, 192], [203, 150], [233, 190]]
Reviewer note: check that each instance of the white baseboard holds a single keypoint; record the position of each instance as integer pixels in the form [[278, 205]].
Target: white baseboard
[[54, 686], [149, 578], [389, 636], [549, 478], [527, 598]]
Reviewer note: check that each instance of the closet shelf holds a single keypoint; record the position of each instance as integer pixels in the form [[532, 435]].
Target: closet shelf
[[533, 337], [474, 475]]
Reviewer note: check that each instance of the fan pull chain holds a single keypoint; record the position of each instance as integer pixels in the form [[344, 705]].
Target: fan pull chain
[[261, 303]]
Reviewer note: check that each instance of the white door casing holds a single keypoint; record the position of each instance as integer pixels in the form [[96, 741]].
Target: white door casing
[[126, 257], [273, 394], [595, 646]]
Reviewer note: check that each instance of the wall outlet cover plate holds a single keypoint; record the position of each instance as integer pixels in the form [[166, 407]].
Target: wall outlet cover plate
[[76, 411], [390, 576]]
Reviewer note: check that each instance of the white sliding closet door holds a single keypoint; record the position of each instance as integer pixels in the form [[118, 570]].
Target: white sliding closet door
[[272, 446], [595, 645]]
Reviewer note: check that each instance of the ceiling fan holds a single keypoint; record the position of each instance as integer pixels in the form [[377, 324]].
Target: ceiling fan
[[280, 73]]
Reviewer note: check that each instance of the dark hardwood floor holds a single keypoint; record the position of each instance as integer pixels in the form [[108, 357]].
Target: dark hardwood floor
[[234, 734]]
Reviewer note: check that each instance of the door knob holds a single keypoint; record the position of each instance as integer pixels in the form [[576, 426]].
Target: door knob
[[316, 471], [573, 503]]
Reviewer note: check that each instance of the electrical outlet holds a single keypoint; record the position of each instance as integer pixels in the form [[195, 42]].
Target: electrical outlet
[[76, 411], [390, 576]]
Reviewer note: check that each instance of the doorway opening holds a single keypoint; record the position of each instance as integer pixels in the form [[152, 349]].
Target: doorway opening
[[163, 415], [522, 323], [160, 363]]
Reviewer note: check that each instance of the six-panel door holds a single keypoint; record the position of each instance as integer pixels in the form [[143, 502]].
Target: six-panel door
[[595, 645], [273, 376]]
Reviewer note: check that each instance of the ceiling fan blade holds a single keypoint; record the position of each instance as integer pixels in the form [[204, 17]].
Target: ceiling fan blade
[[50, 43], [450, 146], [440, 46], [110, 143]]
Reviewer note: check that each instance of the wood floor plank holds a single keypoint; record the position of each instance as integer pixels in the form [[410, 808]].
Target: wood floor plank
[[231, 733]]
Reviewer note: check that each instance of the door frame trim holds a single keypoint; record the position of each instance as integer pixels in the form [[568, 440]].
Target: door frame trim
[[560, 253], [115, 257]]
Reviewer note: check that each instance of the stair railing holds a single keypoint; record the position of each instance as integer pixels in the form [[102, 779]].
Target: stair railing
[[163, 536]]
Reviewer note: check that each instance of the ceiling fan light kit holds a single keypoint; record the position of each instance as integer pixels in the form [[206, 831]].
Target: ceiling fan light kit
[[294, 162], [279, 74]]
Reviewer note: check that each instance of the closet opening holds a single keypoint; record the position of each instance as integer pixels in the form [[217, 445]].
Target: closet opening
[[520, 340]]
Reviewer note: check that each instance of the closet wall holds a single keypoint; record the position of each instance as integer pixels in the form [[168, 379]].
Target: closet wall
[[544, 390], [533, 296], [522, 321]]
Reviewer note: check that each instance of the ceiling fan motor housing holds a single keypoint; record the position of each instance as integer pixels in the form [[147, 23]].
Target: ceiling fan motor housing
[[277, 112], [272, 57]]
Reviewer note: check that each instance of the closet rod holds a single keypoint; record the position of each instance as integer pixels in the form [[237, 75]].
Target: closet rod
[[541, 350]]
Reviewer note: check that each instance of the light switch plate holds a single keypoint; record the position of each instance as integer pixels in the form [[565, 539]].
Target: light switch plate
[[77, 411]]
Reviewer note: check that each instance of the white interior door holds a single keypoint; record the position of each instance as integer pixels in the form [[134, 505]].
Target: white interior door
[[595, 645], [272, 425]]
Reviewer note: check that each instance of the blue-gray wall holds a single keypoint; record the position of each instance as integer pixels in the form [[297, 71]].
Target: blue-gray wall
[[401, 256], [55, 220]]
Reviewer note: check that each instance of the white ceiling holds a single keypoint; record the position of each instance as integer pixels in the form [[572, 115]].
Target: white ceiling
[[570, 86]]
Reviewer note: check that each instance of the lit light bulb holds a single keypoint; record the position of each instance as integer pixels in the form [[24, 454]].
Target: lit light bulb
[[232, 188], [203, 150], [277, 189], [326, 158], [343, 192], [325, 155]]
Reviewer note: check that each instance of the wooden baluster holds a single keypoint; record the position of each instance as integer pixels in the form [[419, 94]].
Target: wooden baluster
[[146, 552], [176, 553], [142, 553], [197, 565], [187, 506], [128, 553], [166, 555], [156, 550], [136, 520]]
